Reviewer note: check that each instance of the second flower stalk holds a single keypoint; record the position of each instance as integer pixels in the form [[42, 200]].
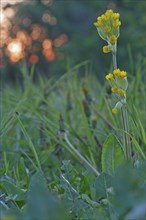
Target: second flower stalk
[[119, 84], [108, 29]]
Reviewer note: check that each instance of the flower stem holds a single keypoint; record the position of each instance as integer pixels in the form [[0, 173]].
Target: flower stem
[[126, 137], [114, 60], [125, 121], [126, 133], [114, 56]]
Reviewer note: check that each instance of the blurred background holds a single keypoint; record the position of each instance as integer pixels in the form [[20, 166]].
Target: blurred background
[[55, 35]]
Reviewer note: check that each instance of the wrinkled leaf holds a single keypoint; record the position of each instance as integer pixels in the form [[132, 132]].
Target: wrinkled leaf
[[101, 185], [112, 155], [42, 204]]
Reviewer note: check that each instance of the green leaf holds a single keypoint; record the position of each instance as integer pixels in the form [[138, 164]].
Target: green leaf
[[12, 191], [86, 198], [112, 155], [129, 187], [42, 204], [138, 148], [101, 184]]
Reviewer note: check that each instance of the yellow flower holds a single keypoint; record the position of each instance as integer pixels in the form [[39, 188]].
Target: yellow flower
[[117, 72], [112, 39], [103, 17], [109, 76], [121, 92], [123, 74], [99, 18], [107, 29], [115, 16], [114, 110], [114, 89], [98, 24], [109, 12], [107, 18], [95, 24], [116, 23], [106, 49]]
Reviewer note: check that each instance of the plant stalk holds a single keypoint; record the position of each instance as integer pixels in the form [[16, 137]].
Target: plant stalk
[[125, 121], [114, 59], [127, 132]]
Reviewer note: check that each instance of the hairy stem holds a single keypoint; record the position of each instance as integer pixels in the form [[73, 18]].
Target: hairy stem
[[114, 60], [124, 134], [127, 135], [125, 121]]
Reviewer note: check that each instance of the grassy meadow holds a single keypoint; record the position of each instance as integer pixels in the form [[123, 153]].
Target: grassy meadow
[[61, 148], [72, 144]]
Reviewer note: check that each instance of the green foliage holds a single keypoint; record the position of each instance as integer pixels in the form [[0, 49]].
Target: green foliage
[[42, 204], [11, 190], [43, 178], [129, 191], [112, 155], [100, 186]]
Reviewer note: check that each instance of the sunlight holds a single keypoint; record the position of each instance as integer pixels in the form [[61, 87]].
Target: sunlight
[[15, 47], [2, 17], [13, 2], [15, 50]]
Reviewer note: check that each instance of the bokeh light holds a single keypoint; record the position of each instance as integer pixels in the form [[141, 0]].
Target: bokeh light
[[36, 32], [60, 40], [9, 12], [47, 44], [47, 2], [11, 2], [48, 50], [15, 50], [24, 36], [2, 16], [33, 59]]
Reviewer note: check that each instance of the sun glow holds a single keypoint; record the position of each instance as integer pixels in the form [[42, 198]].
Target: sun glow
[[26, 39], [15, 50], [12, 2], [15, 47], [2, 17]]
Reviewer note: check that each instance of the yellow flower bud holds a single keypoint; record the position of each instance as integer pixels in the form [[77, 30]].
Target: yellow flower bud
[[123, 74], [117, 72], [115, 16], [99, 18], [103, 18], [107, 29], [112, 39], [109, 76], [106, 49], [121, 92], [107, 17], [116, 23], [114, 89], [95, 24], [114, 110], [109, 12], [98, 24]]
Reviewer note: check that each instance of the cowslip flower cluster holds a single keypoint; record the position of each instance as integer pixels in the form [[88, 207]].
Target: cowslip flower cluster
[[108, 28], [119, 84]]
